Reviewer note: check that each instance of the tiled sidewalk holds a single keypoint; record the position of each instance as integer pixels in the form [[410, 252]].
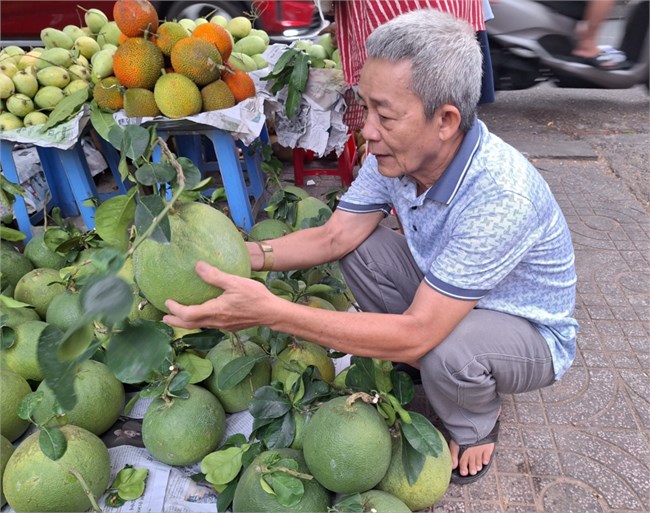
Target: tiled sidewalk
[[582, 445]]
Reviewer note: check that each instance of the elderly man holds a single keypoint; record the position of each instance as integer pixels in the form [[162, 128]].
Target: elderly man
[[478, 291]]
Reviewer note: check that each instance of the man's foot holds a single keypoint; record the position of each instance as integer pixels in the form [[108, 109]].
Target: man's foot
[[608, 59], [471, 462]]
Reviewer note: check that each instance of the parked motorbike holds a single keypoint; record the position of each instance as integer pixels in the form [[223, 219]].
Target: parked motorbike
[[531, 42]]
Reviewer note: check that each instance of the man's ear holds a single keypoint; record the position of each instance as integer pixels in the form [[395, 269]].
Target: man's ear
[[449, 119]]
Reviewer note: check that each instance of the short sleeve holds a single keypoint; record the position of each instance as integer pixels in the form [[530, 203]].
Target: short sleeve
[[369, 192]]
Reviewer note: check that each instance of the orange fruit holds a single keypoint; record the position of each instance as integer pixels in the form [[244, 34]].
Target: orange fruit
[[217, 35], [138, 63], [108, 94], [133, 17], [169, 33], [240, 83]]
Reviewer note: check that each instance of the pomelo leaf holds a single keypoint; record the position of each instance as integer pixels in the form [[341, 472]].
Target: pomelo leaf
[[351, 504], [269, 403], [152, 173], [76, 340], [28, 404], [227, 495], [147, 209], [10, 234], [7, 337], [135, 141], [280, 433], [113, 218], [130, 482], [179, 382], [221, 467], [236, 370], [266, 486], [190, 171], [288, 489], [102, 121], [60, 375], [135, 352], [412, 461], [198, 368], [107, 299], [422, 436], [9, 302], [403, 388], [204, 340], [115, 136], [52, 442], [361, 375]]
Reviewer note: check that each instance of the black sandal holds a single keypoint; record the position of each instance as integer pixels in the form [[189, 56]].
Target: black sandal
[[491, 438]]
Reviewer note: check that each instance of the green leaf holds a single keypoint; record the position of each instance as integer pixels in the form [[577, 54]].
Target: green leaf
[[190, 171], [135, 352], [422, 435], [115, 136], [130, 482], [226, 496], [66, 108], [10, 234], [361, 375], [350, 504], [204, 340], [403, 388], [113, 218], [221, 467], [293, 102], [7, 337], [108, 299], [285, 59], [288, 489], [179, 382], [236, 370], [59, 375], [135, 141], [152, 173], [9, 302], [29, 403], [280, 433], [300, 72], [76, 340], [268, 403], [412, 461], [198, 368], [147, 209], [102, 121], [52, 442]]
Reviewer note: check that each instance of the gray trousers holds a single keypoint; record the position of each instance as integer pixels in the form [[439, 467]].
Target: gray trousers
[[488, 353]]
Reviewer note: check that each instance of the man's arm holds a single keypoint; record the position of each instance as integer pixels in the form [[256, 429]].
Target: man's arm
[[397, 337], [342, 233]]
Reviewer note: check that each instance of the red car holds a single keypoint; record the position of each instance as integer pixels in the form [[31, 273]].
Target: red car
[[21, 21]]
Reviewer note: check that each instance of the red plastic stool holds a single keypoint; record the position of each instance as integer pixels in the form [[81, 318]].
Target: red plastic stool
[[345, 164]]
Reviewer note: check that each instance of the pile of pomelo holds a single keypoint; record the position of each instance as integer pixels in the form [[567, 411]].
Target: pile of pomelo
[[343, 447]]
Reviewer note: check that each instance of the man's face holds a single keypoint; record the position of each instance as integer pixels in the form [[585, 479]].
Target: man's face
[[395, 129]]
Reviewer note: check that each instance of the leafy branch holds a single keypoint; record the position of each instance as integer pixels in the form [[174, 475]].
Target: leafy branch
[[290, 71]]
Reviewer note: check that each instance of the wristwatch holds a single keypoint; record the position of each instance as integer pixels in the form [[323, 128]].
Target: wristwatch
[[267, 251]]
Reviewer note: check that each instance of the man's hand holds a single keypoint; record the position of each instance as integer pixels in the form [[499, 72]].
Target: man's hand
[[243, 303]]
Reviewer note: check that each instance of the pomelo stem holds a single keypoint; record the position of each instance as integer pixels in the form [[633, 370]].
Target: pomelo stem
[[86, 489], [366, 398], [180, 179]]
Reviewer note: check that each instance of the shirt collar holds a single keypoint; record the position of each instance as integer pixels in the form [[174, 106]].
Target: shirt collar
[[449, 182]]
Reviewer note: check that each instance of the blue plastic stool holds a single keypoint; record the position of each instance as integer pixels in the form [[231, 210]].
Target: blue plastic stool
[[243, 184]]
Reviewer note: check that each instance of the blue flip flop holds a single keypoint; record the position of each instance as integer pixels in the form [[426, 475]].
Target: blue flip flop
[[491, 438]]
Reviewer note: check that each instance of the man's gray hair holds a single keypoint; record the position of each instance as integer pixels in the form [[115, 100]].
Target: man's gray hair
[[447, 63]]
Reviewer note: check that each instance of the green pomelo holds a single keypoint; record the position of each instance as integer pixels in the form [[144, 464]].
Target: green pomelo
[[34, 482], [198, 232], [347, 447], [42, 256], [21, 357], [376, 501], [269, 229], [296, 357], [14, 388], [184, 431], [238, 397], [431, 484], [308, 208], [13, 266], [251, 497], [100, 399], [6, 450], [316, 302], [64, 310], [38, 288]]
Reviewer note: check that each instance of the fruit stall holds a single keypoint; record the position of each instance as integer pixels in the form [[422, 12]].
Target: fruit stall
[[110, 407]]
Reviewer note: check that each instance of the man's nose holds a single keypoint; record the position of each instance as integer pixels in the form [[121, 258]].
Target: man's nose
[[369, 130]]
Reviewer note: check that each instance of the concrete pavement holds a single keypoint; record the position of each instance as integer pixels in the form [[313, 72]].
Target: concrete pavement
[[583, 444]]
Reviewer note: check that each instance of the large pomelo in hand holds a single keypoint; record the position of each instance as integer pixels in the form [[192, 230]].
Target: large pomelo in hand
[[34, 482], [198, 232]]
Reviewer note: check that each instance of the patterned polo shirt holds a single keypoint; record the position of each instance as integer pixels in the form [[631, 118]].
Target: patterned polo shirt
[[488, 230]]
